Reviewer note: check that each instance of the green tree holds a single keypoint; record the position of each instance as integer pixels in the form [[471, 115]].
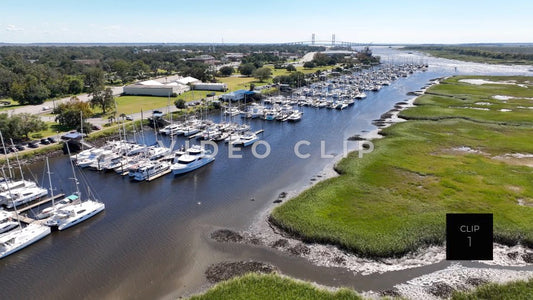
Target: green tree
[[262, 74], [103, 99], [75, 86], [69, 114], [140, 69], [94, 80], [309, 65], [247, 69], [122, 68], [226, 71], [6, 79], [16, 91], [24, 123], [35, 92], [180, 103], [291, 68]]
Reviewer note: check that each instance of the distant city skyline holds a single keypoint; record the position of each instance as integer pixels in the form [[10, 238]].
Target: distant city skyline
[[234, 21]]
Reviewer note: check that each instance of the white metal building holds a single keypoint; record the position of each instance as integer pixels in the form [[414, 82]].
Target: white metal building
[[210, 86]]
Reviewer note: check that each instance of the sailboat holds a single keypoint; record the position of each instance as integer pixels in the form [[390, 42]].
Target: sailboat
[[47, 212], [24, 193], [6, 222], [75, 212], [17, 239]]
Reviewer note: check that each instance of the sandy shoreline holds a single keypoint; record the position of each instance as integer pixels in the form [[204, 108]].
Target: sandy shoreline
[[429, 286]]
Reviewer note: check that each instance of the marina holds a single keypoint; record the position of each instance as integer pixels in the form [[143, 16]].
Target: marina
[[157, 232]]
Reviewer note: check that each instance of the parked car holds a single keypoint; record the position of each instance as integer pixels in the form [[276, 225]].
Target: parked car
[[51, 139], [19, 147], [45, 142], [33, 144], [129, 118], [157, 114], [2, 151], [96, 127]]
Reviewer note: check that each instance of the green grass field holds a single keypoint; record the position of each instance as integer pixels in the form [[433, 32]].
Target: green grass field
[[281, 72], [241, 83], [237, 83], [254, 286], [395, 199]]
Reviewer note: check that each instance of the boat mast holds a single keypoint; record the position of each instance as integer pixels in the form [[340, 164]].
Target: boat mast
[[12, 199], [81, 129], [74, 174], [50, 182], [18, 162], [7, 157]]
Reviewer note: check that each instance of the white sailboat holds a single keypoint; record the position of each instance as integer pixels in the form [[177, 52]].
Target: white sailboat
[[24, 192], [47, 212], [6, 221], [17, 239], [75, 212]]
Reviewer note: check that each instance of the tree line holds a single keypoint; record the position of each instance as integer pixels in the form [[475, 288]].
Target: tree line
[[493, 52], [32, 74]]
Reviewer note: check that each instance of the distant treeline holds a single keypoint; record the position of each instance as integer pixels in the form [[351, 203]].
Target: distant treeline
[[32, 74], [521, 53]]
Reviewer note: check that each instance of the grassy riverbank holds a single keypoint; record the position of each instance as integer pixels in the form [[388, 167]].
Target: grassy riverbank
[[513, 290], [449, 158], [254, 286], [509, 54]]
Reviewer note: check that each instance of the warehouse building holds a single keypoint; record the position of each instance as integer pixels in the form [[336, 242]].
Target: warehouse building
[[155, 88], [219, 87]]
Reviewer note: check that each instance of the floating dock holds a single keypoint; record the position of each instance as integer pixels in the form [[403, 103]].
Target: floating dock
[[159, 175], [21, 210]]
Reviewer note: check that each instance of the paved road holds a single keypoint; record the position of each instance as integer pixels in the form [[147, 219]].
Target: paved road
[[48, 106]]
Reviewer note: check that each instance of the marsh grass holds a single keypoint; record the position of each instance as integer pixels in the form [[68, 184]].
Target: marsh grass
[[513, 290], [395, 199], [255, 286]]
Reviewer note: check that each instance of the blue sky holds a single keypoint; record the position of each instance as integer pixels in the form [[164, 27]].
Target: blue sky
[[233, 21]]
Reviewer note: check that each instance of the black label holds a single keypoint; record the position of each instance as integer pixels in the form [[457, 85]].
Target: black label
[[469, 236]]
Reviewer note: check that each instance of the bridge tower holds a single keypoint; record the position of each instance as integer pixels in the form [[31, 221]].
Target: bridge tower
[[333, 40], [313, 39]]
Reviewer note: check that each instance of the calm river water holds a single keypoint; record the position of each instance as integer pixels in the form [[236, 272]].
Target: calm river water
[[152, 240]]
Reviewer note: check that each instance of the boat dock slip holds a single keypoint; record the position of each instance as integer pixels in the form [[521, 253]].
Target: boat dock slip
[[159, 175], [24, 219], [40, 203]]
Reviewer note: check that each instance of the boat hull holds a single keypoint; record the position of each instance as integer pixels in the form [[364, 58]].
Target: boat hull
[[38, 232], [80, 219], [205, 161]]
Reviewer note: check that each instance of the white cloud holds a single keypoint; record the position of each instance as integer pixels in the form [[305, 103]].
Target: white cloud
[[13, 28]]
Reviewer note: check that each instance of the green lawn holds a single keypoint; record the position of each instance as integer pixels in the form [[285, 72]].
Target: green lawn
[[281, 72], [134, 104], [52, 130], [395, 199], [238, 83], [254, 286], [241, 83]]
